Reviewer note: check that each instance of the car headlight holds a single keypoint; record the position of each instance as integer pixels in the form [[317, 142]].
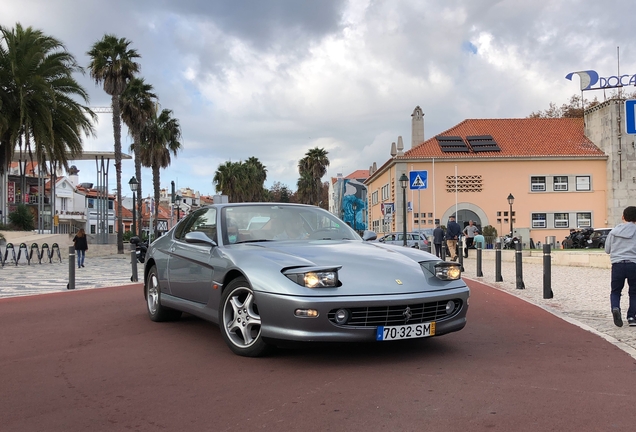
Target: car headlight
[[448, 271], [314, 278]]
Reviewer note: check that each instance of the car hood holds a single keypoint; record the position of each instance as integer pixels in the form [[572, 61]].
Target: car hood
[[365, 268]]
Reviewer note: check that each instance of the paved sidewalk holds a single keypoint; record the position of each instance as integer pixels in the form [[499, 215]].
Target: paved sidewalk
[[580, 296], [36, 278]]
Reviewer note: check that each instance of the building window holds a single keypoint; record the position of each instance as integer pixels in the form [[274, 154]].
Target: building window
[[538, 220], [498, 213], [91, 203], [560, 183], [430, 221], [472, 183], [374, 197], [583, 183], [430, 215], [584, 220], [110, 229], [537, 184], [561, 220], [92, 229], [385, 192], [63, 203], [110, 205], [498, 220]]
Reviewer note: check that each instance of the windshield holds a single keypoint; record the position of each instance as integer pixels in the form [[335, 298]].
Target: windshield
[[252, 223]]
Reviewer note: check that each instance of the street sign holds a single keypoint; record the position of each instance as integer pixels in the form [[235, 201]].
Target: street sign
[[418, 180], [630, 116]]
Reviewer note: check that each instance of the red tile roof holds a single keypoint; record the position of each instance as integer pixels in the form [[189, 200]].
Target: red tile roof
[[359, 174], [527, 137]]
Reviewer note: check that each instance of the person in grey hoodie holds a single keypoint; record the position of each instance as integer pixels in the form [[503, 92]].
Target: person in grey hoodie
[[621, 245]]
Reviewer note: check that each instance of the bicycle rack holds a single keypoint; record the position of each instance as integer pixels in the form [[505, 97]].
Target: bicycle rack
[[23, 246], [34, 247], [45, 250]]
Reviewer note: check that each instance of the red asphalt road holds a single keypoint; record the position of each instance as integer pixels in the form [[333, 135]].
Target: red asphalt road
[[92, 360]]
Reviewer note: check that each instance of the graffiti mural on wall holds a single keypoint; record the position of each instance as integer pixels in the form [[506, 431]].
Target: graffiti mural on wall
[[352, 197]]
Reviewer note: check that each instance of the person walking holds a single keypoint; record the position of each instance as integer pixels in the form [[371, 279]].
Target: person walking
[[453, 231], [438, 239], [470, 231], [81, 246], [621, 246]]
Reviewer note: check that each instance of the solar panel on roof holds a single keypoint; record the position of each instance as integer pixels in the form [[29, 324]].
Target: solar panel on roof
[[451, 144], [482, 143]]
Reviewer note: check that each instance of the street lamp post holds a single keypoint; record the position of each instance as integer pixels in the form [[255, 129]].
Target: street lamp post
[[404, 181], [133, 183], [177, 202], [511, 200]]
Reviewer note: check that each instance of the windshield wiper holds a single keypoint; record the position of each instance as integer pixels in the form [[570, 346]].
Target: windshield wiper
[[254, 241]]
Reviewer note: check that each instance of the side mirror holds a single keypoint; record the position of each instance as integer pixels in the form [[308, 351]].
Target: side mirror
[[369, 235], [197, 237]]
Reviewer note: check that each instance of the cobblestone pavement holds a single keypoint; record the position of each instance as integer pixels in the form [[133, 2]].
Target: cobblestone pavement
[[29, 279], [580, 295]]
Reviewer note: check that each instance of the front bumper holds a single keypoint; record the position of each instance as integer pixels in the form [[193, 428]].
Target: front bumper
[[280, 323]]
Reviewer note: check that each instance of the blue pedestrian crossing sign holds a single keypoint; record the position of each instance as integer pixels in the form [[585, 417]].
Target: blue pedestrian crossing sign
[[418, 180], [630, 116]]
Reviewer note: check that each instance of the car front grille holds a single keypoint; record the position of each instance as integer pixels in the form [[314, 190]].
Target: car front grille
[[397, 314]]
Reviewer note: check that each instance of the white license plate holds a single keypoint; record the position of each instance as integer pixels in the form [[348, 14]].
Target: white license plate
[[410, 331]]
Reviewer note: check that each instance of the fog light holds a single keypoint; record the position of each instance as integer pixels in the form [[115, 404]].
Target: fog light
[[342, 316], [450, 307], [306, 313]]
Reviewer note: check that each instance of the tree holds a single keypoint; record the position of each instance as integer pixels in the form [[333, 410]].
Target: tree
[[573, 109], [311, 169], [137, 108], [39, 114], [112, 64], [242, 181], [160, 136], [279, 192]]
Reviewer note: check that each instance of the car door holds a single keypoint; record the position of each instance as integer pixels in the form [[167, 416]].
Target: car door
[[190, 268]]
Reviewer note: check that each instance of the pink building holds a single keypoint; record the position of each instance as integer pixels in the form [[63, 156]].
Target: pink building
[[560, 179]]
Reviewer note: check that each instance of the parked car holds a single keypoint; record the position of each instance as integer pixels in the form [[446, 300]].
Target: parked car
[[416, 240], [598, 237], [327, 284]]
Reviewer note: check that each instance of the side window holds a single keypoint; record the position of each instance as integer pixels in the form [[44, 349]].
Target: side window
[[203, 220]]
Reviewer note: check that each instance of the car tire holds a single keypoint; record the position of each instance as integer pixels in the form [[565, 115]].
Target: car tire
[[156, 311], [240, 321]]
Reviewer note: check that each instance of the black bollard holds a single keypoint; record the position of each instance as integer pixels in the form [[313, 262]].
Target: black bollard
[[519, 266], [71, 268], [547, 272], [460, 254], [498, 277], [479, 272], [442, 254], [133, 263]]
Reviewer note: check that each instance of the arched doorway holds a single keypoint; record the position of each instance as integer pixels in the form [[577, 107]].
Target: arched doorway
[[465, 215]]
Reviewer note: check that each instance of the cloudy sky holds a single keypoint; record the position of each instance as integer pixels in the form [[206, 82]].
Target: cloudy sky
[[274, 78]]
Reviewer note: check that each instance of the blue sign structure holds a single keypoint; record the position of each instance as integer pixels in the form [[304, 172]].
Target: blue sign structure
[[630, 116], [418, 180]]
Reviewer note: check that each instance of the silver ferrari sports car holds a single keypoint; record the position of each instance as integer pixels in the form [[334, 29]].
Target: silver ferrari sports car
[[272, 272]]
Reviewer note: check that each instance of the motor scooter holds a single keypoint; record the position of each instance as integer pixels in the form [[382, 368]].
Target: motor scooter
[[509, 241], [141, 247]]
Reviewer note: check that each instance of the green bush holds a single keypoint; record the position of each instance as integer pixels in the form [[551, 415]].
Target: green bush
[[489, 231], [22, 218]]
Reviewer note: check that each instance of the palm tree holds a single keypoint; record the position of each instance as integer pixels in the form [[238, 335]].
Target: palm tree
[[112, 63], [137, 107], [311, 169], [228, 180], [39, 115], [159, 138], [256, 174]]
